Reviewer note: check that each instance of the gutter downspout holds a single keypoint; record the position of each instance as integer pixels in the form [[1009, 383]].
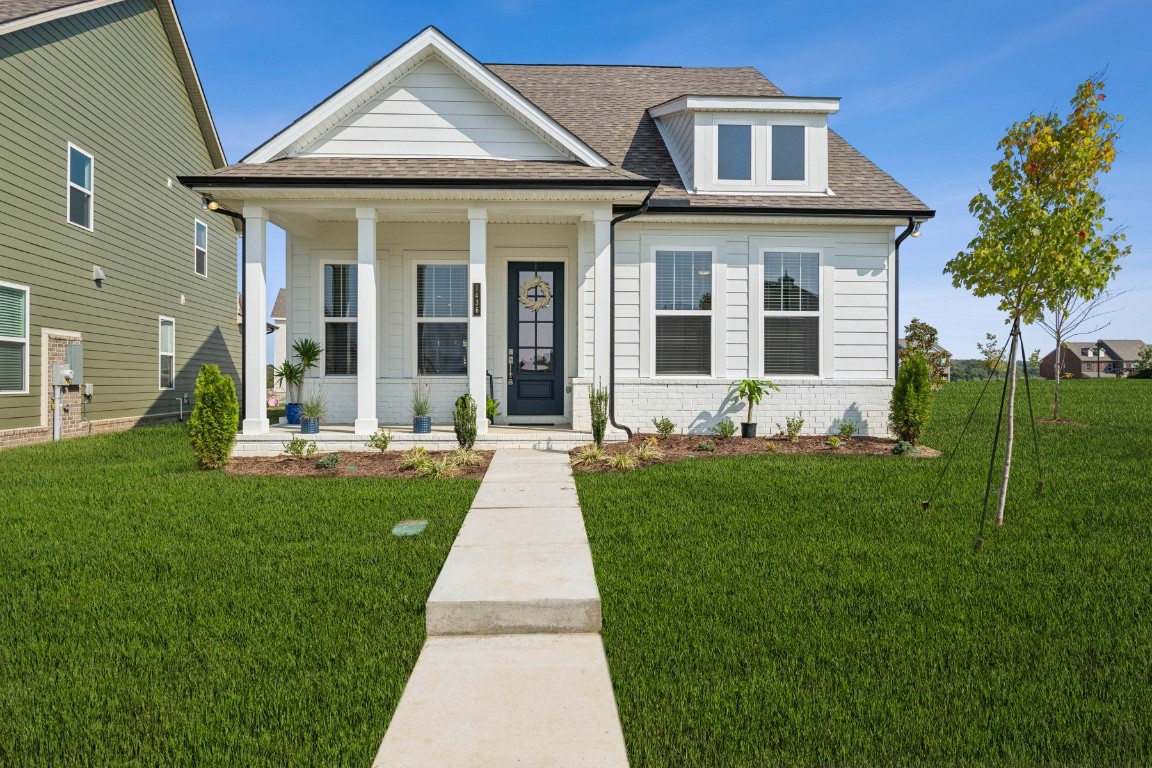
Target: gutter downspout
[[612, 309], [896, 301], [244, 294]]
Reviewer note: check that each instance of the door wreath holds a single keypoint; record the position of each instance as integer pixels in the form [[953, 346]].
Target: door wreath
[[543, 296]]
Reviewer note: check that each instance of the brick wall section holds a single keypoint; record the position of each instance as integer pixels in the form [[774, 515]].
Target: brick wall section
[[72, 396], [696, 406]]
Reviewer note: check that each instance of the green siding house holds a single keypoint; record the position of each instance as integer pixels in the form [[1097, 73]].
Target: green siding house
[[109, 268]]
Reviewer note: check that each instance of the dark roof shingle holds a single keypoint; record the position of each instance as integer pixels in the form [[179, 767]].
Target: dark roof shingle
[[11, 10]]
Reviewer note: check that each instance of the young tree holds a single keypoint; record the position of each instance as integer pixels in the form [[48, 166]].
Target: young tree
[[1145, 361], [919, 335], [1042, 228], [1068, 315], [991, 355]]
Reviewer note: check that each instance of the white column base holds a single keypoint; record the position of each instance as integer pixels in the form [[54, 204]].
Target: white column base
[[255, 427], [367, 426]]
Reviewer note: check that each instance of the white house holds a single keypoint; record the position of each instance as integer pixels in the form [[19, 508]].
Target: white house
[[537, 229]]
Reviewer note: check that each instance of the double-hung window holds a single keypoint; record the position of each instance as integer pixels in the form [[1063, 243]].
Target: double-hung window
[[167, 353], [791, 313], [80, 187], [683, 313], [340, 325], [441, 319], [200, 249], [13, 339]]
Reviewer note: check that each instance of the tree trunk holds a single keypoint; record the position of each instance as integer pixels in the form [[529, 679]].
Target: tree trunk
[[1059, 374], [1011, 431]]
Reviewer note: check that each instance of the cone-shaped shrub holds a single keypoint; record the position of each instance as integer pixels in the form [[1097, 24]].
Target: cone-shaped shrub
[[911, 406], [464, 421], [212, 425]]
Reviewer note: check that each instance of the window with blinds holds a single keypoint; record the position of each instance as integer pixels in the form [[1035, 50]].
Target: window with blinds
[[167, 353], [683, 313], [791, 313], [441, 319], [13, 339], [340, 292]]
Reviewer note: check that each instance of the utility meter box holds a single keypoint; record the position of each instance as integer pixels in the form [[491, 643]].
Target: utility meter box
[[74, 360]]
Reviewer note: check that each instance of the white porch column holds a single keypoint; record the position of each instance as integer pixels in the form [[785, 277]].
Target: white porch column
[[602, 269], [255, 317], [366, 345], [478, 321]]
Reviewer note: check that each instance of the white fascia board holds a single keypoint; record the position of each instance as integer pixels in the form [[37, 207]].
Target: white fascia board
[[417, 49], [57, 13], [827, 105]]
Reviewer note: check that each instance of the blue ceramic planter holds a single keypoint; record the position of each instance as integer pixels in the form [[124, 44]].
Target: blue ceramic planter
[[309, 426], [292, 411], [421, 425]]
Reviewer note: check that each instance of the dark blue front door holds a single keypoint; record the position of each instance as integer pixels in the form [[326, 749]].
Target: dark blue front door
[[535, 338]]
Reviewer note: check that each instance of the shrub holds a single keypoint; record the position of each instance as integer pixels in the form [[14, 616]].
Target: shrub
[[587, 455], [622, 462], [724, 428], [328, 462], [793, 425], [415, 458], [299, 447], [911, 406], [381, 439], [847, 429], [664, 426], [598, 403], [466, 457], [464, 421], [707, 446], [647, 450], [212, 425], [834, 442], [770, 446], [445, 466], [903, 447]]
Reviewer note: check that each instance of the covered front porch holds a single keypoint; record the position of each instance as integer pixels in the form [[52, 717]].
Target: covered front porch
[[472, 293]]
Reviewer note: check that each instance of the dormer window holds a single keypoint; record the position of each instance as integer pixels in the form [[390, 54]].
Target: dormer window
[[788, 158], [733, 152]]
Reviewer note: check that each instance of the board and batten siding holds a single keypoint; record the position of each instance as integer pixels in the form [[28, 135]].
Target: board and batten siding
[[107, 81], [856, 292], [433, 112]]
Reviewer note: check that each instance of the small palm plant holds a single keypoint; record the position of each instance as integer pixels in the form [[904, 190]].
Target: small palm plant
[[751, 391], [308, 351]]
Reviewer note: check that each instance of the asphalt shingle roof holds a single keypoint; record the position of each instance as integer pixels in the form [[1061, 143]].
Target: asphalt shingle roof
[[11, 10]]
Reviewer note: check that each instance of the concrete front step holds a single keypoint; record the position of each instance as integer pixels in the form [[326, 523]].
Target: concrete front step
[[512, 700]]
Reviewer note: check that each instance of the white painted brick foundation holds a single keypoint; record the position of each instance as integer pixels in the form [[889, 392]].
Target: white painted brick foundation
[[393, 398], [696, 406]]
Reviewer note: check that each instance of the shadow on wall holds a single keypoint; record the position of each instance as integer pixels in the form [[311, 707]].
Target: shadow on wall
[[213, 350], [852, 413], [730, 407]]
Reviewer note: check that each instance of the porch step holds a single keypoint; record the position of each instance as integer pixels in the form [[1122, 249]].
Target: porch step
[[343, 439], [527, 700]]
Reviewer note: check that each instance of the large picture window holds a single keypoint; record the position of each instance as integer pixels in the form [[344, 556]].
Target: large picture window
[[13, 339], [340, 288], [167, 353], [683, 313], [441, 324], [80, 187], [791, 313]]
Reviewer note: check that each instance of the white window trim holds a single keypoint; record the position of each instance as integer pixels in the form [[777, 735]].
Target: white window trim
[[322, 320], [160, 352], [196, 246], [648, 312], [68, 185], [757, 246], [755, 159], [449, 258], [17, 340]]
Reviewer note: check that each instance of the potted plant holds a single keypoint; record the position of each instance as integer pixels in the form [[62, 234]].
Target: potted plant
[[751, 390], [311, 411], [291, 376], [492, 410], [421, 408]]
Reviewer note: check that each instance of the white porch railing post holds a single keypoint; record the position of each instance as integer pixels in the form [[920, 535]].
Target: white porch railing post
[[255, 319], [478, 320], [602, 269], [366, 346]]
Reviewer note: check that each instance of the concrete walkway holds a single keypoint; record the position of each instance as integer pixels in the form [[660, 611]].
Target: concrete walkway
[[513, 672]]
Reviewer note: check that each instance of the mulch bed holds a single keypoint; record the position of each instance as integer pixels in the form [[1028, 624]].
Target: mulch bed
[[377, 464], [683, 447]]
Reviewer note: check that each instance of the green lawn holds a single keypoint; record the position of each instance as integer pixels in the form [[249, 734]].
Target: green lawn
[[154, 614], [792, 610]]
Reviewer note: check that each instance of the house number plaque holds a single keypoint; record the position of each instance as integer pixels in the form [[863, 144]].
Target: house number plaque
[[475, 299]]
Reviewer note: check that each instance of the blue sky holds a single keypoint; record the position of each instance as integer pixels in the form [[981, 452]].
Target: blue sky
[[927, 88]]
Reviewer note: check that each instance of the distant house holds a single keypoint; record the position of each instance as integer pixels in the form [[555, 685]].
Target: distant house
[[279, 318], [1094, 359], [935, 348], [114, 284]]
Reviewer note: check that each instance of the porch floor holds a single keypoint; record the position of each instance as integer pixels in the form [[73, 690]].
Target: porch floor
[[343, 437]]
